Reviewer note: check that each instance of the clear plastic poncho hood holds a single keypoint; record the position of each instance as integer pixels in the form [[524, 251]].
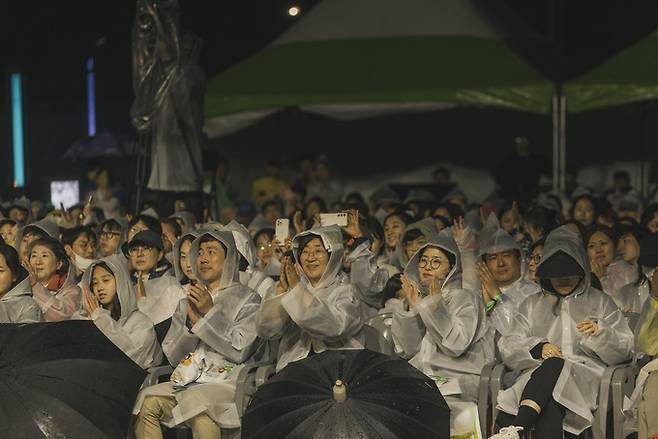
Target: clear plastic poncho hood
[[230, 272], [125, 288], [332, 240]]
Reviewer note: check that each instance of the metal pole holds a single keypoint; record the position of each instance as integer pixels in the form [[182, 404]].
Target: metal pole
[[563, 140], [556, 142]]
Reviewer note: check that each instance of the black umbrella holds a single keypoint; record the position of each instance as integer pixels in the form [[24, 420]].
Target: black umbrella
[[64, 380], [102, 145], [348, 394]]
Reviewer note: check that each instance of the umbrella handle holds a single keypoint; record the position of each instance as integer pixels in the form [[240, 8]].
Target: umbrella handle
[[340, 391]]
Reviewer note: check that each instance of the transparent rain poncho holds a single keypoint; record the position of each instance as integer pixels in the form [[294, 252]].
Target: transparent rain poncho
[[446, 334], [225, 337], [324, 316], [133, 332], [18, 306], [502, 315], [543, 317]]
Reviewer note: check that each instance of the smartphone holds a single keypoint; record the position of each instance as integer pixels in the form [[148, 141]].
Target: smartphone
[[330, 219], [282, 230]]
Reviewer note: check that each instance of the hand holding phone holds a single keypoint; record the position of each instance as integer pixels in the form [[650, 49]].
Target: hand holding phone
[[282, 231], [330, 219]]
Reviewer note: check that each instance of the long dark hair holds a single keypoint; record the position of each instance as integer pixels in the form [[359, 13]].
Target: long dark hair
[[115, 307], [14, 264]]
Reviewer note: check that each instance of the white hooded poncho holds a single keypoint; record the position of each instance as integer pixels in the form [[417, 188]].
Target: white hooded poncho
[[501, 316], [226, 335], [18, 306], [321, 317], [542, 318], [133, 332], [446, 334]]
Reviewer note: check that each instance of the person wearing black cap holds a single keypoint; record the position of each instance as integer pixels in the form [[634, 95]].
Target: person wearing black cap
[[562, 339], [157, 291]]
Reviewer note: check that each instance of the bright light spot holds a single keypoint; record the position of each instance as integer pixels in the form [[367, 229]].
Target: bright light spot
[[294, 11]]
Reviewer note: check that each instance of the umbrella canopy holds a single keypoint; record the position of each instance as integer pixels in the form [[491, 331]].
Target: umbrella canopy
[[629, 76], [358, 58], [64, 380], [348, 394], [102, 145]]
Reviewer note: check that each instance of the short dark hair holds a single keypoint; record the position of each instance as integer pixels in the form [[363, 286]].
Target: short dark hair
[[401, 214], [69, 236], [542, 218], [411, 235], [393, 285], [36, 231], [151, 223], [178, 231], [111, 225], [268, 231], [207, 237], [304, 240]]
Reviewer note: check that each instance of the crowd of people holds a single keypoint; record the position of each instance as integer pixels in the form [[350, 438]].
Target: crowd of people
[[558, 288]]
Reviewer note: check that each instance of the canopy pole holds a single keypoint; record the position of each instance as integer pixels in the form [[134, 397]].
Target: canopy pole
[[563, 141], [559, 107]]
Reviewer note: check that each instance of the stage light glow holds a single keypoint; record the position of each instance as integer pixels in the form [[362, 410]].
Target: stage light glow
[[294, 11], [17, 129], [91, 98]]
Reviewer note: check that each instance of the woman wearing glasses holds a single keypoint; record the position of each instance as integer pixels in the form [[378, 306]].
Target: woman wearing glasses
[[536, 252], [444, 330], [157, 291], [314, 307]]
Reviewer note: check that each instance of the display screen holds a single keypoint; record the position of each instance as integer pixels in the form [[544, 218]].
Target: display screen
[[66, 192]]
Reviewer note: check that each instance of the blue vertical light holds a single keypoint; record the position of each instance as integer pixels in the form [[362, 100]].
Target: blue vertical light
[[91, 98], [17, 129]]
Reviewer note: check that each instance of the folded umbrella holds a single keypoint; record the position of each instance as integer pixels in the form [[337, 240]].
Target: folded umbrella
[[348, 394], [64, 380]]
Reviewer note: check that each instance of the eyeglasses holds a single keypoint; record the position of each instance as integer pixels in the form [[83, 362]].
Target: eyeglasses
[[317, 253], [139, 249], [535, 258], [109, 235], [435, 263], [265, 247]]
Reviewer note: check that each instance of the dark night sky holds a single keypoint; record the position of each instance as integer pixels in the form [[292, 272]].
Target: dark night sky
[[48, 42]]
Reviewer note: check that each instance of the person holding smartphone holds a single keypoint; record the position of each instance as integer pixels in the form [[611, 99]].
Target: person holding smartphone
[[314, 307]]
